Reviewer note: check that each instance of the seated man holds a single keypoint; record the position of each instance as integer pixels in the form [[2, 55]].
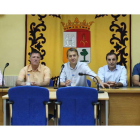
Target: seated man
[[74, 67], [113, 74], [39, 74], [136, 75]]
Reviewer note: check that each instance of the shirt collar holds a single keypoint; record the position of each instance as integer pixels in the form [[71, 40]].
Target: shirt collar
[[114, 69], [75, 66], [30, 68]]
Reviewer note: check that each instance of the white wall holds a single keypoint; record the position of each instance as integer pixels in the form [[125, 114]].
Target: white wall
[[12, 43]]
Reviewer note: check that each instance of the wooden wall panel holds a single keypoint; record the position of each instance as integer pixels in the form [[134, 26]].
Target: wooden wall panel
[[124, 109]]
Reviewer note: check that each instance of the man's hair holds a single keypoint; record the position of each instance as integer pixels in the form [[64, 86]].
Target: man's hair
[[72, 49], [112, 53], [35, 52]]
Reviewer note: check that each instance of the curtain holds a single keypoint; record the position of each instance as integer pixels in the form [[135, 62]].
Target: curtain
[[93, 35]]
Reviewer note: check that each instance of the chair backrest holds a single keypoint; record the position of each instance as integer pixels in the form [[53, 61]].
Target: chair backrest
[[51, 83], [28, 107], [89, 83], [76, 107]]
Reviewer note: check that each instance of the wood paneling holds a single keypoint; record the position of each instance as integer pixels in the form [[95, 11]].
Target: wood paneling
[[124, 109]]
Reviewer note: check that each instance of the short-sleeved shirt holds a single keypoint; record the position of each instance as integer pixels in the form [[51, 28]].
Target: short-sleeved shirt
[[81, 67], [41, 74], [119, 74], [136, 70]]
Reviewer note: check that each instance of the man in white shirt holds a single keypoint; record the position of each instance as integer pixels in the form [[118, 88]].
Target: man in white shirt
[[73, 67], [113, 74]]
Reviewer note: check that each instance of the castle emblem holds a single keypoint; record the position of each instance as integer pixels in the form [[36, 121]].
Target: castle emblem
[[77, 35]]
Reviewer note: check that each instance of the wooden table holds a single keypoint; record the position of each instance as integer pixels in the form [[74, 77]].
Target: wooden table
[[102, 97], [124, 106]]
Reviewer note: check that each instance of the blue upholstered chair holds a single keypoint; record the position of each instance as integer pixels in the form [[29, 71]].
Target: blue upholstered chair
[[51, 83], [89, 83], [76, 105], [29, 105]]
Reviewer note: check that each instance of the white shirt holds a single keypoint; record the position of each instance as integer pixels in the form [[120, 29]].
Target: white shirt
[[81, 67], [0, 78], [119, 74]]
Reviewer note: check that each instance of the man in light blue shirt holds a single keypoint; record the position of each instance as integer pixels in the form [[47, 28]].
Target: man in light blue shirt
[[73, 67], [113, 74]]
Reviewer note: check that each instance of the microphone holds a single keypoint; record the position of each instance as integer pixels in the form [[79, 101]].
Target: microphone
[[62, 67], [7, 64], [81, 74]]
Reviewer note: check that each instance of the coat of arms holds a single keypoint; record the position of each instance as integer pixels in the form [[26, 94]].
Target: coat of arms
[[77, 35]]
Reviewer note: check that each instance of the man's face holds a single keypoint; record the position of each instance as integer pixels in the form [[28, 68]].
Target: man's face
[[72, 57], [111, 61], [35, 59]]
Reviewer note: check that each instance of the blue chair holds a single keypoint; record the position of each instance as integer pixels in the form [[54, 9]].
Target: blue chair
[[29, 105], [76, 105], [89, 83], [51, 83]]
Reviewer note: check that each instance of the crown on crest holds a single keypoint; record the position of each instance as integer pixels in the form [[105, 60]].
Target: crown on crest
[[77, 25]]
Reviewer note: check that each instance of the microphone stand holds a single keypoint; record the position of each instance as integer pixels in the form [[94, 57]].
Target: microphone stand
[[62, 67], [81, 74], [7, 64]]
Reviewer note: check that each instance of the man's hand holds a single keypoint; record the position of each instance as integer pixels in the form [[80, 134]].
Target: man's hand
[[67, 82], [20, 83], [62, 84], [35, 84], [112, 84], [106, 85], [103, 85]]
